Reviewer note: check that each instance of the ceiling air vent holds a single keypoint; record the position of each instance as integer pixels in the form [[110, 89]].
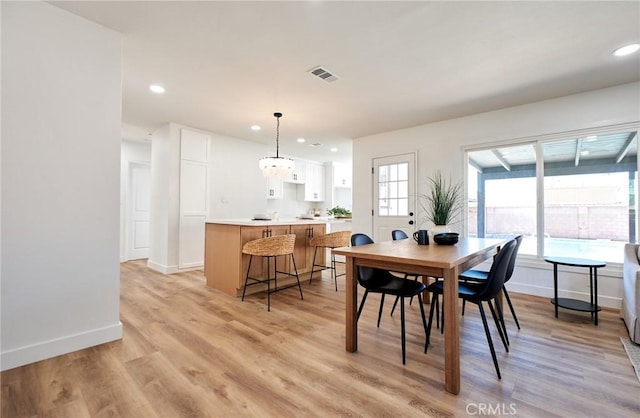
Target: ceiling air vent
[[323, 74]]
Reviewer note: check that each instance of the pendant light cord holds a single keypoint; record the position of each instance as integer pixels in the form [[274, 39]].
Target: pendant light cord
[[278, 115], [278, 137]]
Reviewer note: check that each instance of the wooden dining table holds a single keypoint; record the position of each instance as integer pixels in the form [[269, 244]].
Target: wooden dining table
[[434, 260]]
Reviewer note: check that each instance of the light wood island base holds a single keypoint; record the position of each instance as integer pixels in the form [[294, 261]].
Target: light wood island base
[[225, 267]]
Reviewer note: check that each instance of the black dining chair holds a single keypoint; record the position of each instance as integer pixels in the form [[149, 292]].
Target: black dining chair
[[398, 234], [478, 293], [376, 280], [479, 276]]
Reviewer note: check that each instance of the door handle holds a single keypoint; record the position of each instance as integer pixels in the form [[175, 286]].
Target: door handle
[[410, 213], [411, 222]]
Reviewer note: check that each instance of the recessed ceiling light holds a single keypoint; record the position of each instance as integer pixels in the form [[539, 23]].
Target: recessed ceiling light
[[626, 50], [334, 149], [255, 127], [315, 144], [301, 140], [156, 88]]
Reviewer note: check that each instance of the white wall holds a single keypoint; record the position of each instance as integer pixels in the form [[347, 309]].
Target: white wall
[[61, 109], [237, 187], [439, 146]]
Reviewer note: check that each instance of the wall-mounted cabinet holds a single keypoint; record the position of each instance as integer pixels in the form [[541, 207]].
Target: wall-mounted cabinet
[[298, 175], [314, 182], [342, 176], [275, 188]]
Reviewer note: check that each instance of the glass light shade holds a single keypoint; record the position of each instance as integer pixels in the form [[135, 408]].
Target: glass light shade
[[276, 166]]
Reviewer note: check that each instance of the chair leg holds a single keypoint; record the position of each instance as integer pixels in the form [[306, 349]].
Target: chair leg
[[275, 266], [464, 303], [246, 279], [424, 321], [333, 270], [275, 272], [313, 265], [394, 305], [500, 313], [513, 312], [488, 334], [364, 297], [500, 325], [380, 310], [295, 269], [404, 356], [433, 304]]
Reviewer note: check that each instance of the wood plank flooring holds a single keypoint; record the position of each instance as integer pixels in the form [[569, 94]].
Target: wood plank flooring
[[191, 351]]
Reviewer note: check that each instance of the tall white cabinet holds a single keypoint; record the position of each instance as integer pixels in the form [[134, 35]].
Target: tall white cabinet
[[179, 198], [194, 152]]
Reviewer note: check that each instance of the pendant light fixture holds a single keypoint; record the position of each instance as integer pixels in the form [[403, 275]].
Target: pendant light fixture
[[277, 166]]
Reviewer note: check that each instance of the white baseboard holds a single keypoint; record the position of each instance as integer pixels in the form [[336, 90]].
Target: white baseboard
[[191, 266], [47, 349], [174, 269], [162, 268]]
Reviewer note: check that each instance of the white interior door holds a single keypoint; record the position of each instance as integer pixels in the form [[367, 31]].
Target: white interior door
[[139, 211], [394, 191]]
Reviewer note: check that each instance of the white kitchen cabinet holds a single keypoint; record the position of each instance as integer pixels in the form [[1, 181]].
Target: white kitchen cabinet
[[314, 182], [194, 154], [342, 175], [275, 188], [298, 175]]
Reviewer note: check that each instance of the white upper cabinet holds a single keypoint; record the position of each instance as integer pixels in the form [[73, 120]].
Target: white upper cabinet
[[342, 175], [297, 177], [275, 188], [314, 182]]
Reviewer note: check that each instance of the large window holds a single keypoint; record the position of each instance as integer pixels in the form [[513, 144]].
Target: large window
[[581, 203]]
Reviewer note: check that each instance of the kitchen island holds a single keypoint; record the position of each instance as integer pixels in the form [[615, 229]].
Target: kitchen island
[[225, 267]]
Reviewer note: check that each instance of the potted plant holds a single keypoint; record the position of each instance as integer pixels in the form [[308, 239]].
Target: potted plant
[[442, 205], [339, 212]]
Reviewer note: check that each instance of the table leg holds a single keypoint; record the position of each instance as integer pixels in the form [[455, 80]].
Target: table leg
[[351, 292], [595, 294], [555, 286], [451, 332], [427, 281]]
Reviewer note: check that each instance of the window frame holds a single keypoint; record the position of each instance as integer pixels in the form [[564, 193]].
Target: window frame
[[538, 142]]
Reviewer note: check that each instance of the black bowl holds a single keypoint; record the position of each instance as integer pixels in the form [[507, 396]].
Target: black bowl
[[447, 238]]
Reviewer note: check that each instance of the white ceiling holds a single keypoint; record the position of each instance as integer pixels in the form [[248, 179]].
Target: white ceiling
[[228, 65]]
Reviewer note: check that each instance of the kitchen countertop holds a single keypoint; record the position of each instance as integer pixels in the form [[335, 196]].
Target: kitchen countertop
[[281, 221]]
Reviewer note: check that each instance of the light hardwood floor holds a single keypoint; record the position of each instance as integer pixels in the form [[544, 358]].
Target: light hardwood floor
[[191, 351]]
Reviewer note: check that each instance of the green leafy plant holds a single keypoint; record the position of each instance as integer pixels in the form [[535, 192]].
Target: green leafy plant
[[339, 212], [442, 205]]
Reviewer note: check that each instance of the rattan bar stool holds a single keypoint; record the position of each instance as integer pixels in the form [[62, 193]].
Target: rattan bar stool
[[271, 248], [332, 240]]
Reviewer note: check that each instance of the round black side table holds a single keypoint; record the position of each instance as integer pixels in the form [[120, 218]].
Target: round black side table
[[574, 304]]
